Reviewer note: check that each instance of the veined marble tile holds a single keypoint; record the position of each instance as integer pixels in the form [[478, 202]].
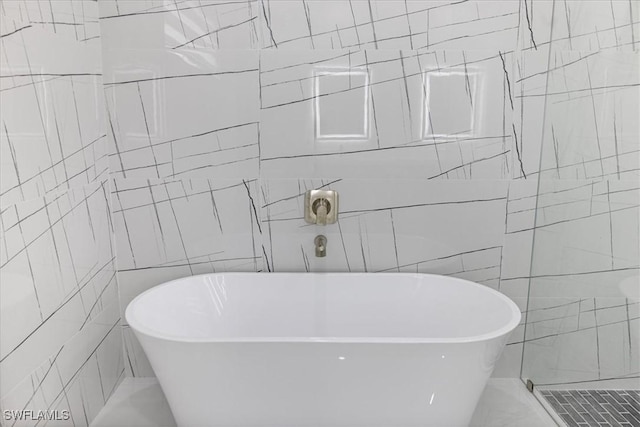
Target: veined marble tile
[[201, 224], [57, 274], [183, 114], [385, 24], [575, 25], [52, 135], [585, 227], [580, 338], [78, 378], [194, 24], [76, 20], [403, 230], [592, 116], [58, 292], [432, 115]]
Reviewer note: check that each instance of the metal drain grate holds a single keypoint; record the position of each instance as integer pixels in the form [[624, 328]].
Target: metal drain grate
[[596, 408]]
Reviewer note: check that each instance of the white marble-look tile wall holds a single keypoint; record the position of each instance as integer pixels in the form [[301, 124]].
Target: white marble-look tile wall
[[60, 340], [585, 282], [429, 118], [435, 115]]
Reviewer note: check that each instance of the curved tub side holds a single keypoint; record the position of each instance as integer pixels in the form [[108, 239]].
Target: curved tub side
[[322, 384]]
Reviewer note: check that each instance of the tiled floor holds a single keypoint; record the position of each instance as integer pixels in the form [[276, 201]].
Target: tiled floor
[[596, 408], [139, 402]]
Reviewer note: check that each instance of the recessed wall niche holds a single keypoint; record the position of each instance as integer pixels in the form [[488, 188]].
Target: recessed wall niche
[[450, 103], [341, 106]]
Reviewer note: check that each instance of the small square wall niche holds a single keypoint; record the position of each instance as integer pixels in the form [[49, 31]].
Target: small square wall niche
[[450, 102], [341, 105]]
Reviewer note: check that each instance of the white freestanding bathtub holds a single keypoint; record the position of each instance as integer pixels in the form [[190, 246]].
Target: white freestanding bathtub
[[322, 350]]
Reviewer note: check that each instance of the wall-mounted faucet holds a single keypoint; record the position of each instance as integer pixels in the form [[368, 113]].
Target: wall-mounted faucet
[[321, 246], [321, 207]]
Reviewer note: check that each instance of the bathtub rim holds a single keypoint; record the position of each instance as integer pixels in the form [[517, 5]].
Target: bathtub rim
[[500, 332]]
